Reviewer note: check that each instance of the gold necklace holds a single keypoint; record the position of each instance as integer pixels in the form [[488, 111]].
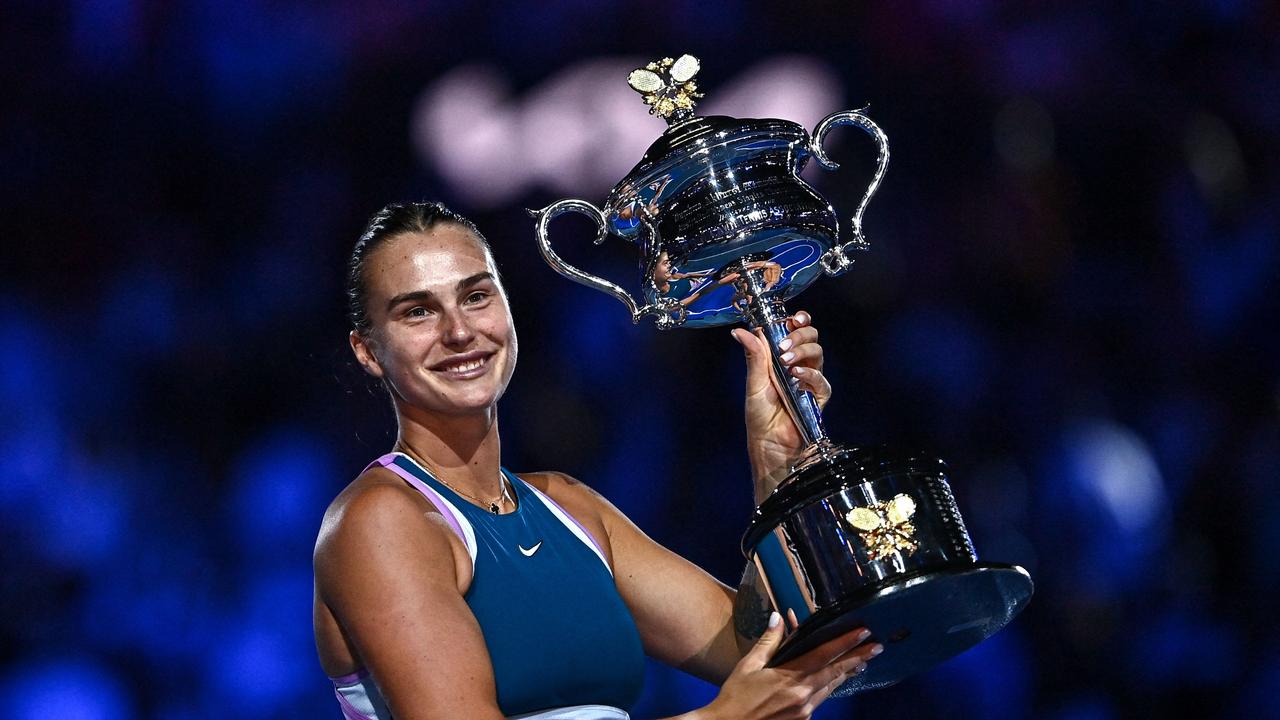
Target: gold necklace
[[493, 504]]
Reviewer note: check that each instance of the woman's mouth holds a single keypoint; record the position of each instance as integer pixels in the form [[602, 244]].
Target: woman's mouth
[[464, 367]]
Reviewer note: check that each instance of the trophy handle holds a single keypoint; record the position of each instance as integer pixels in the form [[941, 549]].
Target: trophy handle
[[836, 260], [668, 312]]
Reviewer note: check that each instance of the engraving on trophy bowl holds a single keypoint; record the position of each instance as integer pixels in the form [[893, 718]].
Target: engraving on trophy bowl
[[712, 191]]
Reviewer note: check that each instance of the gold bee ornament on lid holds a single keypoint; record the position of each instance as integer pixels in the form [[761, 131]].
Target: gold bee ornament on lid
[[668, 87]]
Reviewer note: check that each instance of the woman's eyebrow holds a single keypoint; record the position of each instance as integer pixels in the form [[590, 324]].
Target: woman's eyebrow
[[416, 296], [474, 279], [421, 295]]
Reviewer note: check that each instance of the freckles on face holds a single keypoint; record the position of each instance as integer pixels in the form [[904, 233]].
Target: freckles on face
[[422, 261]]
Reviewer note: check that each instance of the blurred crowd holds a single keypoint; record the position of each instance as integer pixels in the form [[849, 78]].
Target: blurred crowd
[[1071, 296]]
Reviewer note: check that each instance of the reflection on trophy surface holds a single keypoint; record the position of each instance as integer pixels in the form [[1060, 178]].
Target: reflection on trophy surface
[[728, 232]]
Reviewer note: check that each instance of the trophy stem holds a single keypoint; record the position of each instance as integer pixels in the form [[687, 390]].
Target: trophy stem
[[765, 311]]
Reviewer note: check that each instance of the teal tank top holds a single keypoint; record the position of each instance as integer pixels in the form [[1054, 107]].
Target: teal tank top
[[558, 632]]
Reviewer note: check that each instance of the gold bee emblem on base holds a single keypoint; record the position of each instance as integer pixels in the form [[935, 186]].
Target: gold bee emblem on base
[[885, 527]]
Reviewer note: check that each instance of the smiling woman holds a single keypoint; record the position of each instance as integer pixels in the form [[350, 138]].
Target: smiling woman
[[450, 587], [445, 319]]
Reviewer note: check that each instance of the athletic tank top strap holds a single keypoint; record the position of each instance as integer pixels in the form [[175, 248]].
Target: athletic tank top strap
[[560, 514], [400, 464]]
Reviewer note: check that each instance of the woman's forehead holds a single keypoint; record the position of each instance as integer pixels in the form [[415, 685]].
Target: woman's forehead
[[422, 260]]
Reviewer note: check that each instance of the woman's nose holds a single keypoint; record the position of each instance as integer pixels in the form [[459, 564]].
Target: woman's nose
[[458, 331]]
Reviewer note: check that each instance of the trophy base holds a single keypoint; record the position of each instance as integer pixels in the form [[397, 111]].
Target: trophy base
[[921, 620], [873, 537]]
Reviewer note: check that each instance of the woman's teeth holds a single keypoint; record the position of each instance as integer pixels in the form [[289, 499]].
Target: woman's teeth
[[467, 366]]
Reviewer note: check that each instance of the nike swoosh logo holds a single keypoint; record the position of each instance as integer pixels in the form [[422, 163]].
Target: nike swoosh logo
[[530, 551]]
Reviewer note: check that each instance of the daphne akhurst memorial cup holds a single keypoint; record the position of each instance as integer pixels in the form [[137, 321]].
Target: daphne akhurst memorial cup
[[727, 232]]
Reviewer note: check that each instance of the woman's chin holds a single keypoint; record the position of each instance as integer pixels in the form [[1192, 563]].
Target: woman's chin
[[469, 403]]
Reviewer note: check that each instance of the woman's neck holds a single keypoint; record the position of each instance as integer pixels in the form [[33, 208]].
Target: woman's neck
[[464, 451]]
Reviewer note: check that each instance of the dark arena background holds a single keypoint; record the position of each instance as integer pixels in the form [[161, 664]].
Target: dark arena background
[[1071, 296]]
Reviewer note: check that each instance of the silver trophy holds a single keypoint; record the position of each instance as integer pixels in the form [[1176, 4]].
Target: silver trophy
[[727, 232]]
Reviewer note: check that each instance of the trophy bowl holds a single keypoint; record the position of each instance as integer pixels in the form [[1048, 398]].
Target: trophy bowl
[[726, 188], [728, 231]]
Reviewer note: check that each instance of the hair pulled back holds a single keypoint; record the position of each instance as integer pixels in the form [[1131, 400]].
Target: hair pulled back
[[391, 221]]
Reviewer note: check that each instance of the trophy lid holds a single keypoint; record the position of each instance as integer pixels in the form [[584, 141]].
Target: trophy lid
[[693, 147]]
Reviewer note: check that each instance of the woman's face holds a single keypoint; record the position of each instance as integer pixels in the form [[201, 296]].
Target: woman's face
[[442, 336], [662, 269]]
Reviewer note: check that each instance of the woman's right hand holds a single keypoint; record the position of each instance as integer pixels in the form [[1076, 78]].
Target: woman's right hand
[[792, 690]]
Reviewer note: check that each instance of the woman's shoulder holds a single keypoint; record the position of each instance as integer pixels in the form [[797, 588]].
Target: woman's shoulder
[[577, 497], [373, 503], [381, 545], [564, 488], [375, 491]]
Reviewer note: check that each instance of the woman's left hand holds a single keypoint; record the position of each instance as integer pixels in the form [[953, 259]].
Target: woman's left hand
[[774, 442]]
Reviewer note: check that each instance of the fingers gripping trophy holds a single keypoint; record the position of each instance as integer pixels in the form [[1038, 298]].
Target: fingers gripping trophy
[[727, 233]]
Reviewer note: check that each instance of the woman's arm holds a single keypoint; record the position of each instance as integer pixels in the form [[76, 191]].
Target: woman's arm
[[387, 568], [774, 443], [751, 609], [705, 628]]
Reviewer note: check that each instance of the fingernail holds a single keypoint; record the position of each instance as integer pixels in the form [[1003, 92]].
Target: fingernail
[[859, 668], [774, 619], [785, 344], [787, 357], [863, 635], [799, 371], [876, 649], [802, 317]]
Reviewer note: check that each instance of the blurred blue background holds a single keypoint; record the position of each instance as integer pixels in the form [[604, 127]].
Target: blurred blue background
[[1072, 297]]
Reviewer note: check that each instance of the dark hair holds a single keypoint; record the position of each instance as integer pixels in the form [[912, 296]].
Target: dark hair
[[391, 221]]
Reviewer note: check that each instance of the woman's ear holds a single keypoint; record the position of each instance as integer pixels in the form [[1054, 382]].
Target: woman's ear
[[362, 347]]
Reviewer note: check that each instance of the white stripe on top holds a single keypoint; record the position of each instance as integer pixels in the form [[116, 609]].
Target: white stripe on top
[[580, 532], [442, 504]]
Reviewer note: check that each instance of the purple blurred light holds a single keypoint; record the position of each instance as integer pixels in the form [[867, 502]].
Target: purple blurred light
[[582, 130]]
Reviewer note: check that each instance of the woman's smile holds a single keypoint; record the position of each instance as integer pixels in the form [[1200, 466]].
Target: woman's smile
[[465, 366]]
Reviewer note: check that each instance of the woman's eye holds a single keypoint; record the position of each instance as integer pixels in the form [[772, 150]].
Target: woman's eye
[[477, 297]]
